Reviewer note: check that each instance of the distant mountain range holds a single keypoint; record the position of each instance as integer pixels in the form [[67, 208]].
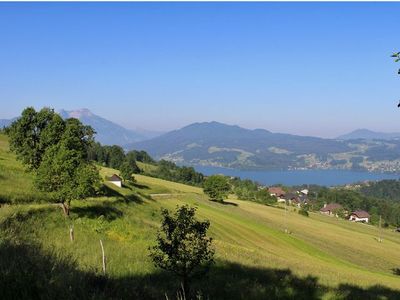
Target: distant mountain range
[[218, 144], [222, 145], [6, 122], [367, 134], [107, 132]]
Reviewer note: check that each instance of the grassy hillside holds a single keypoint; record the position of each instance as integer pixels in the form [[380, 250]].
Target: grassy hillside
[[322, 257]]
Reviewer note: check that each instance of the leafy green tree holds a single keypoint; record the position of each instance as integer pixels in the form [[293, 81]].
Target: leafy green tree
[[303, 211], [32, 133], [217, 187], [130, 158], [126, 171], [116, 157], [65, 172], [183, 247], [265, 197], [142, 156]]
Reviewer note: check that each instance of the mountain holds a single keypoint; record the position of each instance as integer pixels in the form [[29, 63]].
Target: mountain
[[367, 134], [148, 134], [6, 122], [217, 144], [107, 132]]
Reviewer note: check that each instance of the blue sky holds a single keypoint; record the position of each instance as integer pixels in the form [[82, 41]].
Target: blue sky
[[305, 68]]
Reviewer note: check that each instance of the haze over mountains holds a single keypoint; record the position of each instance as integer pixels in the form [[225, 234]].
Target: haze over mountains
[[6, 122], [222, 145], [107, 132], [217, 144], [367, 134]]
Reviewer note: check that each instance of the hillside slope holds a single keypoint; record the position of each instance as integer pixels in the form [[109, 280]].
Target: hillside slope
[[255, 259]]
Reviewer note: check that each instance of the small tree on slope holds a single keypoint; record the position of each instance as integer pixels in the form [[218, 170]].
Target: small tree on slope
[[183, 247], [217, 187]]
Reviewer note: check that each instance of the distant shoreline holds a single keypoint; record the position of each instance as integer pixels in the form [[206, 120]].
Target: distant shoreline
[[331, 177]]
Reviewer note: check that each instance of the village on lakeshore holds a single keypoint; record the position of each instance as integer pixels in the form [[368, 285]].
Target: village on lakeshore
[[300, 199]]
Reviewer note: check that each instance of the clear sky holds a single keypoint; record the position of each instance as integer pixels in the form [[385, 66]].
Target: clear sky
[[305, 68]]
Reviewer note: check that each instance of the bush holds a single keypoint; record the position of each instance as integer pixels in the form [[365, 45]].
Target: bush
[[303, 212]]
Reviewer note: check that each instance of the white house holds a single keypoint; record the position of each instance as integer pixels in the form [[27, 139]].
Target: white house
[[304, 192], [359, 216], [115, 179]]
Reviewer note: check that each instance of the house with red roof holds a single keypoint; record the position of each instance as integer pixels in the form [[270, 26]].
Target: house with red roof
[[278, 192], [360, 216], [331, 209]]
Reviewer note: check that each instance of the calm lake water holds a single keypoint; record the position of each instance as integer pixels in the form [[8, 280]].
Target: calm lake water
[[320, 177]]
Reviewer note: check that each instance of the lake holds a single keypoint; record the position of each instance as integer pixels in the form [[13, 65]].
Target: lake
[[298, 177]]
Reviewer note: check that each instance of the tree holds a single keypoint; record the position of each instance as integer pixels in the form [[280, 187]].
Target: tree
[[142, 156], [217, 187], [130, 158], [65, 173], [116, 157], [32, 133], [183, 247], [127, 170]]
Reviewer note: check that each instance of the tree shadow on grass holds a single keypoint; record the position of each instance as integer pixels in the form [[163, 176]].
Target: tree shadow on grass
[[29, 272], [350, 292], [396, 271], [105, 209], [4, 199], [105, 190], [225, 202], [131, 198], [235, 281], [141, 186]]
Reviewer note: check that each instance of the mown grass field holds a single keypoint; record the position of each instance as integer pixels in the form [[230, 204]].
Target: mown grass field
[[322, 257]]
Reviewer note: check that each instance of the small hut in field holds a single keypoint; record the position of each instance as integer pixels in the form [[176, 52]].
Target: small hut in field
[[115, 179]]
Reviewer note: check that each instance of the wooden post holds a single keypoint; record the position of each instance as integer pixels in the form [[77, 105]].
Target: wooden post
[[71, 233], [286, 229], [380, 229], [104, 258]]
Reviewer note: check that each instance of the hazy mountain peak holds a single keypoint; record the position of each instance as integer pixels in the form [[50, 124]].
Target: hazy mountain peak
[[107, 132], [77, 113], [367, 134]]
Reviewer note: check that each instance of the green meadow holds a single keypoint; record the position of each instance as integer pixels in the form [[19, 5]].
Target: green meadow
[[320, 258]]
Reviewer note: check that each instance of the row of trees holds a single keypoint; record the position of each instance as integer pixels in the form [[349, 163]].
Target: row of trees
[[170, 171], [218, 187], [55, 150], [247, 189], [114, 156]]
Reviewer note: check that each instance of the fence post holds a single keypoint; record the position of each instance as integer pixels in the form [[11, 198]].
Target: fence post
[[104, 257]]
